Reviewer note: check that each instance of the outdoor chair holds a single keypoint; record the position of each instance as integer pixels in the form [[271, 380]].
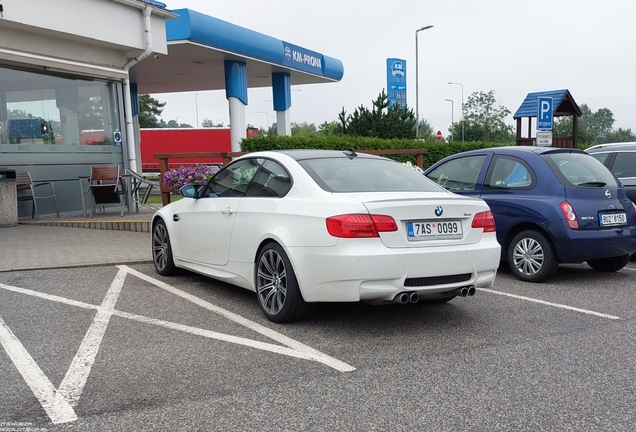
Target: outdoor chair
[[28, 190], [141, 189], [106, 186]]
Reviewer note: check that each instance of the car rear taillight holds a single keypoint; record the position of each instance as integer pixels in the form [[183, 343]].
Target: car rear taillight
[[569, 214], [484, 220], [359, 225]]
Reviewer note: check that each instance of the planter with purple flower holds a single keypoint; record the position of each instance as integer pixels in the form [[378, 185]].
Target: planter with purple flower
[[176, 178]]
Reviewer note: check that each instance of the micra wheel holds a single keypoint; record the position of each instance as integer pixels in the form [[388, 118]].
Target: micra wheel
[[531, 257], [277, 289], [609, 265], [162, 251]]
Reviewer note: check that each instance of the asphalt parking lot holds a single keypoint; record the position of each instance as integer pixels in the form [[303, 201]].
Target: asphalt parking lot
[[121, 348]]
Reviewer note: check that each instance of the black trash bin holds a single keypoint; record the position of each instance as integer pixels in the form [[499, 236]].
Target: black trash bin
[[8, 198]]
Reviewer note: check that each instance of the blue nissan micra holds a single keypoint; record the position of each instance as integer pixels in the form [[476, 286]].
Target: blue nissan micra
[[551, 206]]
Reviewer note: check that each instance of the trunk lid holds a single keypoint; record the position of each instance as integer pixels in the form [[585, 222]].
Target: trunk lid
[[425, 219]]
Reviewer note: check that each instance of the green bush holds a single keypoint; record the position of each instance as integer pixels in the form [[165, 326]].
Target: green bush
[[435, 150]]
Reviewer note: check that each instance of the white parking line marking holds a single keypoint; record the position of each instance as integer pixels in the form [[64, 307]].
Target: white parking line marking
[[77, 374], [219, 336], [54, 404], [59, 404], [298, 346], [557, 305]]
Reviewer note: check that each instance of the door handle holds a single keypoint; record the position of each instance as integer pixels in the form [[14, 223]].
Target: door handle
[[227, 210]]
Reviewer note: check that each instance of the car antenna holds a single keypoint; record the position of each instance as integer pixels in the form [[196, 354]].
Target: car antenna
[[350, 153]]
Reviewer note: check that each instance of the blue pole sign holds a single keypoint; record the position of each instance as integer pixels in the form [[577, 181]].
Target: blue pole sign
[[117, 138], [545, 115], [396, 82]]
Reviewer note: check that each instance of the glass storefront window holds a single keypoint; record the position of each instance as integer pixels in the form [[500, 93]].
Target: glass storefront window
[[39, 109]]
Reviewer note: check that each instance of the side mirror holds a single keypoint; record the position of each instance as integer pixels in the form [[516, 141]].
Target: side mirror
[[189, 191]]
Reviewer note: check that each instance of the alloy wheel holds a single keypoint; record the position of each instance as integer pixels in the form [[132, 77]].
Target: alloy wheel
[[272, 282]]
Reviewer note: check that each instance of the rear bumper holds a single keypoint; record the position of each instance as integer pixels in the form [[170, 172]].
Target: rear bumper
[[367, 270], [582, 245]]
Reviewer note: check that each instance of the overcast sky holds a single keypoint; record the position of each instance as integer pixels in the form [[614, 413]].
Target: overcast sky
[[509, 46]]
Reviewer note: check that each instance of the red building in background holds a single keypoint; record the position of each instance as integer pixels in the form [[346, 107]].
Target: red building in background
[[185, 140]]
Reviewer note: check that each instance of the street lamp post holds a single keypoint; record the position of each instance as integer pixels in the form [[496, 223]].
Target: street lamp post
[[452, 117], [460, 84], [196, 107], [266, 115], [417, 89]]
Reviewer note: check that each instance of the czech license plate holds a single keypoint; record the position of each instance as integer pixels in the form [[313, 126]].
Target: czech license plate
[[450, 228], [612, 219]]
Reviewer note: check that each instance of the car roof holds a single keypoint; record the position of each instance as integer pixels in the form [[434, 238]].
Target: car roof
[[612, 147], [302, 154], [520, 150]]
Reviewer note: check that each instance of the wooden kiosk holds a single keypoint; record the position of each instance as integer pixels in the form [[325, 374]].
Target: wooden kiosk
[[563, 105]]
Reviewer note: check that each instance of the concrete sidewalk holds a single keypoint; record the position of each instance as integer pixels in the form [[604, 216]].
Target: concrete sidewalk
[[76, 241]]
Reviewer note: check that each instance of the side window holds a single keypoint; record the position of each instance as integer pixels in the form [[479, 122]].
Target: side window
[[601, 157], [270, 181], [459, 174], [509, 173], [233, 180], [624, 165]]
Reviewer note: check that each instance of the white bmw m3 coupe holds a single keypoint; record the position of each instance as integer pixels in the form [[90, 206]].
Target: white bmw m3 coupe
[[304, 226]]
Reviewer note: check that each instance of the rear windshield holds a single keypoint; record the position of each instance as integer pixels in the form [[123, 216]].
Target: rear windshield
[[580, 169], [361, 174]]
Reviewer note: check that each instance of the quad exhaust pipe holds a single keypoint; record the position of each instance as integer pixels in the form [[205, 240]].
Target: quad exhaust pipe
[[467, 291], [406, 297], [413, 297]]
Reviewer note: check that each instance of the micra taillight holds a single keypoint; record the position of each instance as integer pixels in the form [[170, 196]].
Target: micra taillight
[[484, 220], [570, 216], [359, 225]]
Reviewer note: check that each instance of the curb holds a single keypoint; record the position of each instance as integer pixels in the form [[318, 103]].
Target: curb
[[126, 225], [68, 266]]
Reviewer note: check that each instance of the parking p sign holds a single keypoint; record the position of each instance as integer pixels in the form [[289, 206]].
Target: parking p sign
[[544, 114]]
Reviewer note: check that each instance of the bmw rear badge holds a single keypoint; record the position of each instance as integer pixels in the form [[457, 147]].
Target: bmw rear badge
[[608, 194], [439, 210]]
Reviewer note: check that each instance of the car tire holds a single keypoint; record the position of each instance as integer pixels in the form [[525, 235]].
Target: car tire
[[162, 251], [277, 288], [609, 265], [531, 257]]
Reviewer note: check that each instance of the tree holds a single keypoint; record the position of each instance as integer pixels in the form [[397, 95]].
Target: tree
[[207, 123], [149, 109], [484, 120], [426, 130], [620, 135], [382, 121], [91, 114], [303, 129], [602, 123], [594, 127], [329, 128], [175, 125]]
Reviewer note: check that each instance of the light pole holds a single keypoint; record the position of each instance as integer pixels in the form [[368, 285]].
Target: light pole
[[456, 83], [196, 107], [176, 120], [417, 88], [266, 115], [452, 117]]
